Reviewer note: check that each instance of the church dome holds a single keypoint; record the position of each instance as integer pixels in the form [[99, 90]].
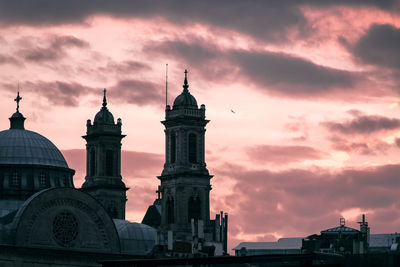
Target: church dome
[[23, 147], [104, 116], [185, 99]]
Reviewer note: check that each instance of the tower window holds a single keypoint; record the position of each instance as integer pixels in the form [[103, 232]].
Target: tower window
[[44, 180], [170, 210], [194, 208], [92, 162], [65, 180], [109, 162], [15, 179], [192, 148], [173, 147]]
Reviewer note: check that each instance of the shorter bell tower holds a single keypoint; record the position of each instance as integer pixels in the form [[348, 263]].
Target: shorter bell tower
[[103, 162]]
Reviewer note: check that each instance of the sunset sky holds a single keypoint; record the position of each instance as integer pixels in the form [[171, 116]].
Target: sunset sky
[[314, 86]]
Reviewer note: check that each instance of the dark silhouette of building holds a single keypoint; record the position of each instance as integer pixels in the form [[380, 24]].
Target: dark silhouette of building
[[45, 220], [103, 159], [182, 210]]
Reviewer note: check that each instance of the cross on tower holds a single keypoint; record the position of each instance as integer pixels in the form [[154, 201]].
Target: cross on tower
[[104, 98], [17, 99]]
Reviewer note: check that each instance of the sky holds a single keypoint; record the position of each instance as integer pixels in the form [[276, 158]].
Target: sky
[[303, 99]]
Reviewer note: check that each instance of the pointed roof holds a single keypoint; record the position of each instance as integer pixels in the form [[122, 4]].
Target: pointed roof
[[185, 99], [104, 116]]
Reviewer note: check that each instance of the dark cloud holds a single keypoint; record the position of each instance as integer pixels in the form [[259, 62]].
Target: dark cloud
[[54, 49], [282, 154], [5, 59], [68, 93], [379, 46], [56, 92], [267, 20], [291, 75], [363, 124], [302, 202], [277, 73], [257, 18], [137, 92], [364, 147], [124, 67]]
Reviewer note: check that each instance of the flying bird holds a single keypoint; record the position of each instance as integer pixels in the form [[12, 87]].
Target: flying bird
[[233, 111]]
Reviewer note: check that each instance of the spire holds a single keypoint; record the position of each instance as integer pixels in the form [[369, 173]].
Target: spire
[[185, 83], [104, 98], [17, 99], [17, 119]]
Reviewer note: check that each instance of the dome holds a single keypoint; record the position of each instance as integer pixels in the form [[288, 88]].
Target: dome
[[104, 115], [135, 238], [185, 99], [18, 146]]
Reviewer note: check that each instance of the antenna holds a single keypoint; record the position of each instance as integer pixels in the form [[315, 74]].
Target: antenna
[[166, 85]]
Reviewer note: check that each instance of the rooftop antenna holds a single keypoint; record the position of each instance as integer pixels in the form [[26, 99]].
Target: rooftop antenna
[[166, 85]]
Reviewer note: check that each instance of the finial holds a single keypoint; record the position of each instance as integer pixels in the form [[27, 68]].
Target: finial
[[104, 98], [185, 83], [17, 99]]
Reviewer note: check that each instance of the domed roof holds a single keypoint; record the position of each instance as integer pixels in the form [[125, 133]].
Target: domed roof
[[134, 231], [135, 238], [185, 99], [18, 146], [104, 115]]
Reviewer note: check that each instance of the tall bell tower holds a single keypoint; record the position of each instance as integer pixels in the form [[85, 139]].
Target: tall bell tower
[[185, 180], [103, 162]]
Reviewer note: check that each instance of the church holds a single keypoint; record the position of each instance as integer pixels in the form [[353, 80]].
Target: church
[[45, 220]]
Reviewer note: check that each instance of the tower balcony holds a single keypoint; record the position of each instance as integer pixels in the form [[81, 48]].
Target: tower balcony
[[185, 112]]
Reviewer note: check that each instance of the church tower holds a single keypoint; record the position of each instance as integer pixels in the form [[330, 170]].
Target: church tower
[[103, 162], [185, 180]]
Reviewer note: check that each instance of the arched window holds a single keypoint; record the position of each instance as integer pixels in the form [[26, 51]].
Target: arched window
[[173, 147], [192, 148], [194, 208], [44, 180], [15, 179], [109, 162], [92, 162], [170, 210]]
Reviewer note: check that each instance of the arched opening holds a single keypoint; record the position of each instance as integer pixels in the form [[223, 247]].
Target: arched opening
[[92, 162], [173, 147], [194, 208], [170, 210], [109, 162], [192, 148]]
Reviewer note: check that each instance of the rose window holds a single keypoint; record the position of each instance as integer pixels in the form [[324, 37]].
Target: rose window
[[65, 228]]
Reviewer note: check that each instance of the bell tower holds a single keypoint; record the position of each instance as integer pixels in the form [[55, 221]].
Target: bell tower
[[103, 162], [185, 180]]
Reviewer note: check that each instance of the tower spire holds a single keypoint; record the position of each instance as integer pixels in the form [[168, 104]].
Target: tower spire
[[104, 98], [17, 99], [185, 83]]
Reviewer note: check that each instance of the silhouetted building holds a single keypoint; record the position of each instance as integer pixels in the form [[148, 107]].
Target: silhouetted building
[[45, 220], [340, 240], [182, 211], [103, 159]]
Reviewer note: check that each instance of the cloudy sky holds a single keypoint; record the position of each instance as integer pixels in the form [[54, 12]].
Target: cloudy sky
[[315, 87]]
